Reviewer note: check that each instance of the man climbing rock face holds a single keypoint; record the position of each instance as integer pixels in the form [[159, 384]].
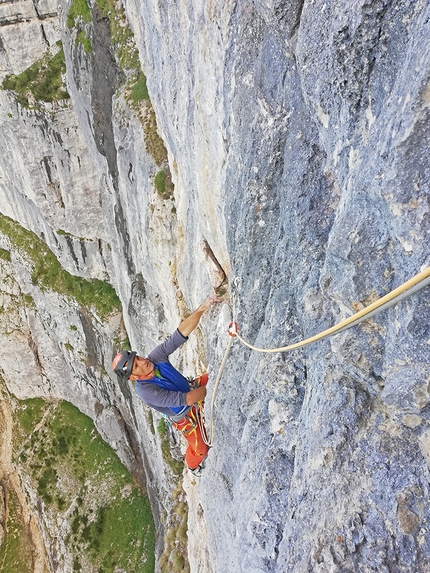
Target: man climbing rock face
[[163, 388]]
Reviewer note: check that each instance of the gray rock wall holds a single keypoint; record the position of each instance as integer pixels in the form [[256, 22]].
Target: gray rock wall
[[319, 461], [297, 136]]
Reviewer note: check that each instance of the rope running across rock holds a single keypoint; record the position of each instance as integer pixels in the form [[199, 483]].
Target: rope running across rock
[[416, 283]]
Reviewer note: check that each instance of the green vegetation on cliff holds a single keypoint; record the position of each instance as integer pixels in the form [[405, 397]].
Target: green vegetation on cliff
[[15, 553], [106, 518], [80, 14], [5, 254], [136, 90], [79, 9], [43, 79], [48, 274]]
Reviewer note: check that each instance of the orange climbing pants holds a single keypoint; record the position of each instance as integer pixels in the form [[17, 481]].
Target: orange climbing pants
[[197, 450]]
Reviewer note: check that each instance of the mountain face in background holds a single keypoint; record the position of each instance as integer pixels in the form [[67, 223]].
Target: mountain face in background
[[278, 152]]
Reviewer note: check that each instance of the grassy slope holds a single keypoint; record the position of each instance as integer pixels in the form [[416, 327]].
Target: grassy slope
[[106, 520]]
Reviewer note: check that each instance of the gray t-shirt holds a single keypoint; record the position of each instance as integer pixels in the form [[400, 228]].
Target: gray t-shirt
[[162, 352], [153, 395]]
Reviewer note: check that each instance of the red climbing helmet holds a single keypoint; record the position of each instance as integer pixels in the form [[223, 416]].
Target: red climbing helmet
[[124, 365]]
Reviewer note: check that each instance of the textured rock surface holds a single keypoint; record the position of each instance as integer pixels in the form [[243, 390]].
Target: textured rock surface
[[297, 135]]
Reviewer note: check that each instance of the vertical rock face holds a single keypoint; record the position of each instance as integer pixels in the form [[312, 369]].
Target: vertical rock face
[[323, 113], [297, 137]]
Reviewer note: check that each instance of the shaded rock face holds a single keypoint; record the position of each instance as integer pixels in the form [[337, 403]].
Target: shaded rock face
[[297, 136]]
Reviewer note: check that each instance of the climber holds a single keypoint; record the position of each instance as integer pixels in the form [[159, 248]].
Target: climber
[[163, 388]]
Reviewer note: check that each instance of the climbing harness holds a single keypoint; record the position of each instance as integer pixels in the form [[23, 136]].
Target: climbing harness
[[193, 428], [193, 417], [405, 290]]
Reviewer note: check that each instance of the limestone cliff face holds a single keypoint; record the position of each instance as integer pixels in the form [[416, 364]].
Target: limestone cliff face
[[297, 140]]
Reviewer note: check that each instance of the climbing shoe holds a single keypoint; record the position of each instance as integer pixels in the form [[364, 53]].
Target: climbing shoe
[[197, 472]]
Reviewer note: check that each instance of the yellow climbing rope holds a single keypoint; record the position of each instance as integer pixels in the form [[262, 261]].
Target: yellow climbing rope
[[418, 282], [209, 441], [405, 290]]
